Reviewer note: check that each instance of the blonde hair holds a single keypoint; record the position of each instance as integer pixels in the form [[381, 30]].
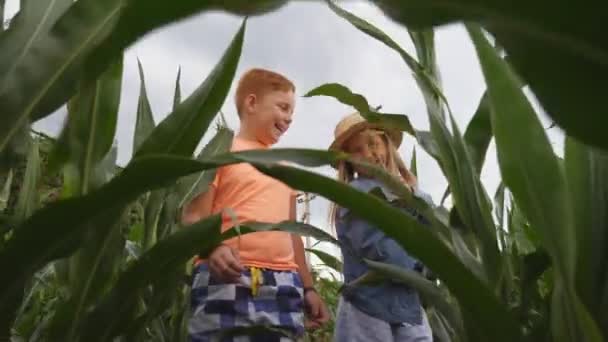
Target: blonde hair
[[260, 82], [394, 166]]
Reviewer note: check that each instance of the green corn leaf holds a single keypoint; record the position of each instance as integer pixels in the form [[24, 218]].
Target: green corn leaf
[[106, 320], [199, 238], [421, 73], [28, 200], [327, 259], [471, 202], [2, 16], [182, 130], [434, 254], [5, 193], [542, 40], [418, 240], [527, 161], [586, 170], [177, 96], [91, 127], [54, 231], [532, 173], [440, 327], [95, 264], [285, 226], [144, 124], [533, 266], [28, 27], [499, 213], [479, 133], [427, 289], [152, 213], [83, 42], [191, 186], [413, 163], [357, 101]]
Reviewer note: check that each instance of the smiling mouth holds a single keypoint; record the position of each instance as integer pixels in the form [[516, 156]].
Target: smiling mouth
[[281, 129]]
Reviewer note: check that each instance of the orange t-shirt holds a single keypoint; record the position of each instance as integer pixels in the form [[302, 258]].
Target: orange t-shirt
[[254, 196]]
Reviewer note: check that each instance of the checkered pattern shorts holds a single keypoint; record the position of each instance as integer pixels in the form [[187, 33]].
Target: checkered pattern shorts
[[218, 307]]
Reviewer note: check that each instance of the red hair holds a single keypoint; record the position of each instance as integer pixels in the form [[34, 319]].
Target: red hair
[[260, 82]]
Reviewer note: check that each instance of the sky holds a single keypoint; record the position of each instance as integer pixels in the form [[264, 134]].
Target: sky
[[311, 45]]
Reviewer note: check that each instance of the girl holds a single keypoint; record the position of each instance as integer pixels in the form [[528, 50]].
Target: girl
[[388, 311]]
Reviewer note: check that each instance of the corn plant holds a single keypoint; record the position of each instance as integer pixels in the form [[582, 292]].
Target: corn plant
[[538, 286], [531, 269]]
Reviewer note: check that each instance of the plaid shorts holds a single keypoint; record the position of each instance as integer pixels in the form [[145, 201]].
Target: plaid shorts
[[218, 307]]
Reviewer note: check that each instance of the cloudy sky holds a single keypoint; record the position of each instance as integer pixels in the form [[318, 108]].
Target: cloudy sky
[[311, 45]]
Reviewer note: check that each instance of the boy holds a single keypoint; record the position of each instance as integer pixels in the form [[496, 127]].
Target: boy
[[259, 278]]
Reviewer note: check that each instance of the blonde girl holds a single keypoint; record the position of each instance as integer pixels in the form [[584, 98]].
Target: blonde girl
[[386, 311]]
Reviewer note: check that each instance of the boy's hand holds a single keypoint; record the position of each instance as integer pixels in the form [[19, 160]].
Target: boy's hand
[[316, 310], [224, 264]]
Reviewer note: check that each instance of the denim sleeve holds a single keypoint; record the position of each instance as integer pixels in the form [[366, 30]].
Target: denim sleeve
[[362, 239]]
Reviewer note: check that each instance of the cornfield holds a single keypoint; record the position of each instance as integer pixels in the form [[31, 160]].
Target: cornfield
[[94, 252]]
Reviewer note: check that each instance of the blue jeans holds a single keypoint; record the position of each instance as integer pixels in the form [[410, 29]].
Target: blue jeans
[[353, 325]]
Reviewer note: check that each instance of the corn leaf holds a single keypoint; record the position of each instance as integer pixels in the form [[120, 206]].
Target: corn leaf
[[144, 124], [413, 163], [106, 320], [2, 16], [587, 172], [479, 133], [94, 266], [54, 231], [357, 101], [32, 23], [28, 200], [327, 259], [416, 239], [83, 42], [5, 193], [427, 289], [426, 80], [182, 130], [165, 257], [191, 186], [542, 40], [532, 173], [91, 127], [177, 96]]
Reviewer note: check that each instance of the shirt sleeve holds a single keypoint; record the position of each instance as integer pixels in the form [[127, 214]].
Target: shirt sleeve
[[360, 237]]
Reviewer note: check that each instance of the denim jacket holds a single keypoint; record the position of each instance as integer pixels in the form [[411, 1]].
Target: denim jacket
[[391, 302]]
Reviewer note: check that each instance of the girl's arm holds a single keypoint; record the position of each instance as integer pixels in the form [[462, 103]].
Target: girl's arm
[[362, 238]]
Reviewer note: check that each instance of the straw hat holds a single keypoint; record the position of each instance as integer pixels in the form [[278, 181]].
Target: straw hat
[[355, 123]]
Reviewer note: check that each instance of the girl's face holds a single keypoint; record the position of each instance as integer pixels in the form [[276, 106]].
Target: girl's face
[[368, 146]]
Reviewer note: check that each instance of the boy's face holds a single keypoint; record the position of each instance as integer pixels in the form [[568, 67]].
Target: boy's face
[[269, 116]]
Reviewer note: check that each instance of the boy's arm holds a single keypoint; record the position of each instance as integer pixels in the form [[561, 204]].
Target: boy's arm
[[316, 309], [199, 208], [223, 262]]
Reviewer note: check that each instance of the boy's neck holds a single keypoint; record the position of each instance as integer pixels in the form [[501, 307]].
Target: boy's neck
[[248, 136]]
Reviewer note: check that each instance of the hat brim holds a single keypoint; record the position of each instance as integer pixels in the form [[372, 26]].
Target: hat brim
[[396, 136]]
